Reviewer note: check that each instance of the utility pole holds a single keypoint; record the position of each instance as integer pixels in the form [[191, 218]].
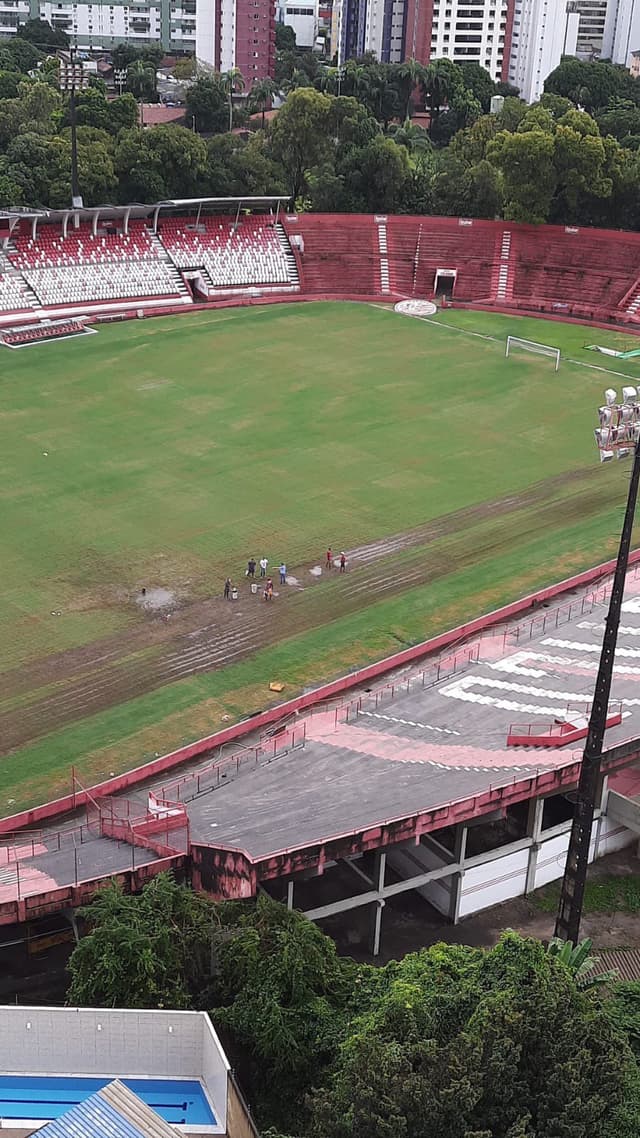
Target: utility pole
[[73, 79], [619, 434], [120, 78]]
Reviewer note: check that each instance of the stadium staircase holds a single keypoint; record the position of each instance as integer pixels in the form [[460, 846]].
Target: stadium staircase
[[288, 254], [502, 279], [15, 293]]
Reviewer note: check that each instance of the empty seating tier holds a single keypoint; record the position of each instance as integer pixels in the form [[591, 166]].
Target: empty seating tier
[[12, 296], [247, 254], [51, 250], [84, 283], [341, 253]]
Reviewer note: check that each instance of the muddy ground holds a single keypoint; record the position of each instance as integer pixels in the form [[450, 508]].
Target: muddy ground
[[170, 644]]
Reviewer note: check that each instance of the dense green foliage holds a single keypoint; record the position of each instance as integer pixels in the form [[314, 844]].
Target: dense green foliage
[[453, 1042], [344, 140]]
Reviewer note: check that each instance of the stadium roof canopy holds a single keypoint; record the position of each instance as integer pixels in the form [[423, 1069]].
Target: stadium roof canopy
[[95, 214]]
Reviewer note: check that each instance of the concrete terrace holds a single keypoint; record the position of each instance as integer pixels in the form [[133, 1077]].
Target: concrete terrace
[[430, 736]]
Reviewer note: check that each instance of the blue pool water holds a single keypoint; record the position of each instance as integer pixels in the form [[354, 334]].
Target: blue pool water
[[49, 1096]]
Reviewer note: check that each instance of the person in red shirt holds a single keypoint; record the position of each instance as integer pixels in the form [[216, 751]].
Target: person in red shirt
[[343, 563], [329, 564]]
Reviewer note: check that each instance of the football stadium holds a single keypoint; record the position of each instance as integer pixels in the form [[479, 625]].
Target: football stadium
[[397, 414]]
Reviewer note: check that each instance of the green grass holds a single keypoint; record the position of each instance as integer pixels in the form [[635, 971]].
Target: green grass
[[602, 895], [178, 447]]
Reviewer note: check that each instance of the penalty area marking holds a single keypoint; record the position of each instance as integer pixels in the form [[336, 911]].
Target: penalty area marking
[[497, 340]]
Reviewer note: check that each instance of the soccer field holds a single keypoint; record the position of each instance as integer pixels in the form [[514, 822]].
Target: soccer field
[[164, 453]]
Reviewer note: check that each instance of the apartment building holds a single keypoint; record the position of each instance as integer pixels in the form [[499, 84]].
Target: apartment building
[[222, 33]]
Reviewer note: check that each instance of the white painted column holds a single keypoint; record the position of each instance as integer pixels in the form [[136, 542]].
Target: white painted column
[[376, 916], [459, 854], [290, 894], [534, 830]]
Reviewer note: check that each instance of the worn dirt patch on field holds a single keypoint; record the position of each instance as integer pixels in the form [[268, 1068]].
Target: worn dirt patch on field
[[206, 635]]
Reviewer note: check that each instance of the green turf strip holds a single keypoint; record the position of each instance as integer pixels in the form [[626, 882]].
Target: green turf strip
[[128, 735]]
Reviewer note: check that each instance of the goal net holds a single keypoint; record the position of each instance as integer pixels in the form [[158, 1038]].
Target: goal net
[[514, 343]]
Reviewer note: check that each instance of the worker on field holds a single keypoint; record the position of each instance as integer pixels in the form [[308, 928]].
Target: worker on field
[[227, 589]]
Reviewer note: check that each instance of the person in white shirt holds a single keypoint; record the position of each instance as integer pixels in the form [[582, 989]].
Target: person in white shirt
[[264, 561]]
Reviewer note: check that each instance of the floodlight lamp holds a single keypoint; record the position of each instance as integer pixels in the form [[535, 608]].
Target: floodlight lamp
[[623, 452], [611, 397], [606, 416], [626, 413], [629, 394], [602, 440]]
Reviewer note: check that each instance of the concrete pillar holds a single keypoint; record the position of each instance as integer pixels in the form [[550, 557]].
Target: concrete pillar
[[534, 831], [376, 927], [290, 894], [379, 872], [459, 854]]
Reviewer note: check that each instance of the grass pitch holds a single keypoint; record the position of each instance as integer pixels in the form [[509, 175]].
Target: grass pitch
[[166, 452]]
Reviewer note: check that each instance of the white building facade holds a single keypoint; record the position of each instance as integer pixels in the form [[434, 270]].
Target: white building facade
[[472, 31], [543, 31], [622, 32]]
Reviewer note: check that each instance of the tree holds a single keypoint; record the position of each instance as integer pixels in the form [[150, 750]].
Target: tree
[[160, 162], [141, 80], [375, 175], [621, 119], [123, 54], [579, 161], [443, 79], [285, 38], [299, 135], [10, 192], [232, 81], [526, 161], [149, 951], [207, 105], [480, 83], [41, 34], [458, 1044], [590, 85], [262, 93], [185, 68], [9, 81], [411, 76], [20, 55]]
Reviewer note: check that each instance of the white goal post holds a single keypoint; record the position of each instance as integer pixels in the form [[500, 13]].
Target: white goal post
[[514, 342]]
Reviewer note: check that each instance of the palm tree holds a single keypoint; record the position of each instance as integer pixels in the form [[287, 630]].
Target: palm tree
[[141, 81], [262, 93], [580, 962], [438, 84], [298, 78], [414, 138], [232, 81], [411, 74]]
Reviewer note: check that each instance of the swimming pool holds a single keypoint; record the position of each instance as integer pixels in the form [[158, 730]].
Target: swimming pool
[[178, 1101]]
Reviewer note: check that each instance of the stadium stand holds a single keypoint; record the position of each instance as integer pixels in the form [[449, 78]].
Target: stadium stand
[[82, 268], [165, 259], [252, 252], [341, 253]]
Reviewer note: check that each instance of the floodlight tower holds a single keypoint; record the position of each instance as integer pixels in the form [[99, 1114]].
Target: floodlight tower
[[72, 79], [618, 434]]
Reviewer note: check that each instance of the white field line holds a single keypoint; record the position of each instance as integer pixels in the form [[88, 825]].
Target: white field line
[[496, 340]]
